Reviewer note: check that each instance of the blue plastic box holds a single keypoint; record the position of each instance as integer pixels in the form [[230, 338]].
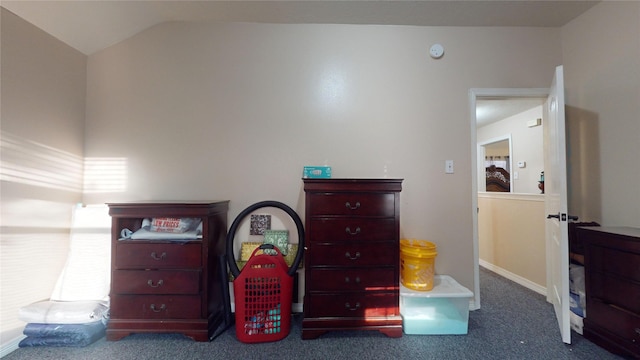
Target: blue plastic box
[[444, 310]]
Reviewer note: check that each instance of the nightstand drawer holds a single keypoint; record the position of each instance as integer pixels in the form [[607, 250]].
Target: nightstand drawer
[[354, 305], [351, 229], [614, 290], [155, 306], [160, 282], [378, 279], [133, 255], [613, 261], [352, 255], [619, 322], [353, 204]]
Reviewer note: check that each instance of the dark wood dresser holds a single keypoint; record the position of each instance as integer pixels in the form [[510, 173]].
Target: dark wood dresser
[[612, 286], [352, 256], [169, 286]]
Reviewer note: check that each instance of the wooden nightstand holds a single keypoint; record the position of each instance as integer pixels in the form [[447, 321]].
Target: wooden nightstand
[[612, 284], [169, 286]]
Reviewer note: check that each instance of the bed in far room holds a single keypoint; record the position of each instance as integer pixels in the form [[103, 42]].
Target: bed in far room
[[498, 179]]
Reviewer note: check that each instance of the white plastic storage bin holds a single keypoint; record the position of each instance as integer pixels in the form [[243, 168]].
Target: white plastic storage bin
[[441, 311]]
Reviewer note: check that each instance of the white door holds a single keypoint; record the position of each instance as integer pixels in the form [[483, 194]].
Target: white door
[[555, 189]]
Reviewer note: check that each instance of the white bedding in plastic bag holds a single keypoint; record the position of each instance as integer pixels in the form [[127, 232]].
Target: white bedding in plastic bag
[[81, 294], [161, 229], [64, 312]]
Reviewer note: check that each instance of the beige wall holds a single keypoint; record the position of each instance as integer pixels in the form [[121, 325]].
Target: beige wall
[[234, 111], [42, 140], [511, 231], [601, 55]]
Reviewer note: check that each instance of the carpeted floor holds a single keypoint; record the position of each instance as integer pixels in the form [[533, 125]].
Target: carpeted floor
[[514, 323]]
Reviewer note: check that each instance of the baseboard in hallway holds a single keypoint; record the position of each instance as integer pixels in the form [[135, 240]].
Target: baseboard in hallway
[[542, 290]]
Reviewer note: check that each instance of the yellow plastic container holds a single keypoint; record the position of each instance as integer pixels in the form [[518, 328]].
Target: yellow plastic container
[[417, 264]]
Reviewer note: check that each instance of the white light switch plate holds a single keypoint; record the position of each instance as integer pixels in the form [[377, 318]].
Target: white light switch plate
[[448, 166]]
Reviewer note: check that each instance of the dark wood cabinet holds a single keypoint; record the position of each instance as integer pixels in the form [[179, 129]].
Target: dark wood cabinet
[[612, 287], [169, 286], [352, 256]]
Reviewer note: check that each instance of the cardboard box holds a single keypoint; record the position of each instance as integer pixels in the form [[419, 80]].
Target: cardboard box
[[311, 172], [443, 310], [575, 304], [576, 322]]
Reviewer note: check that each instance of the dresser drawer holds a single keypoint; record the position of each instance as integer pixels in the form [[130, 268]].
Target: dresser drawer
[[379, 279], [352, 204], [621, 263], [338, 229], [133, 255], [156, 281], [620, 322], [361, 304], [614, 290], [352, 255], [155, 306]]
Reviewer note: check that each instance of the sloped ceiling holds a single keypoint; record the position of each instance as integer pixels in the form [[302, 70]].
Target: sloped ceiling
[[92, 25]]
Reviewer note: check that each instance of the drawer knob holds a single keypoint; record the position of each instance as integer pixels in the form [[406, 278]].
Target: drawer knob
[[349, 307], [347, 279], [348, 231], [348, 255], [157, 284], [348, 205], [163, 307], [156, 257]]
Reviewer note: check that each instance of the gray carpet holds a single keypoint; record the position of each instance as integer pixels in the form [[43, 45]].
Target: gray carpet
[[514, 323]]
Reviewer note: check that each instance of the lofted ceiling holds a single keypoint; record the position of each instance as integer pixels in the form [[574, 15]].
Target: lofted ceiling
[[92, 25]]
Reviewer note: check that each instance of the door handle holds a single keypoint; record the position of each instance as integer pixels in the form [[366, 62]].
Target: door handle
[[562, 217]]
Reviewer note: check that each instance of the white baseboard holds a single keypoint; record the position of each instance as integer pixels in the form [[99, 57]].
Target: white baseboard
[[10, 346], [542, 290]]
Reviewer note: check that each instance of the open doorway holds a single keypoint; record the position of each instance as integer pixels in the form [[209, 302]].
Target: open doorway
[[493, 106], [554, 200]]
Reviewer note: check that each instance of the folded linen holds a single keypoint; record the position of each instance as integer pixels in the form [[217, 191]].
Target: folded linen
[[75, 335]]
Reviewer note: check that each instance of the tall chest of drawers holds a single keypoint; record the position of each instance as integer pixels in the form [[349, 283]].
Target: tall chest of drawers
[[169, 286], [352, 256], [612, 287]]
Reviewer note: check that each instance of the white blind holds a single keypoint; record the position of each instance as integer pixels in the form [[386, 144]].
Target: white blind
[[30, 263]]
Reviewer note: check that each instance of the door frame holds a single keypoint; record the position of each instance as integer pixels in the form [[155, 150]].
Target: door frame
[[474, 94]]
